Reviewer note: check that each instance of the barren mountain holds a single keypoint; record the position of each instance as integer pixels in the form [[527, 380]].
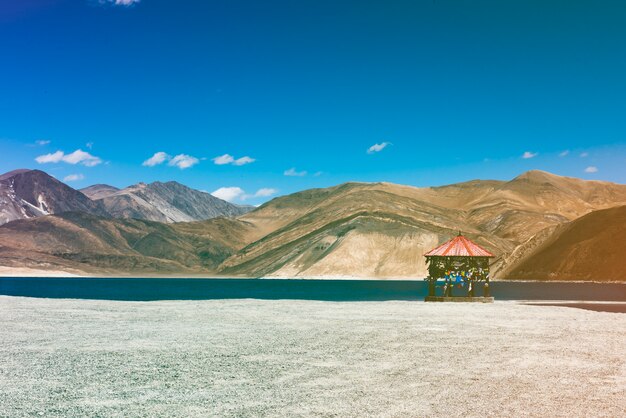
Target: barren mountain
[[167, 202], [32, 193], [354, 229], [592, 247]]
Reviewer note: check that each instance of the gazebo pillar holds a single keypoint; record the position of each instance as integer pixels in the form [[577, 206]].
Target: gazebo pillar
[[432, 282]]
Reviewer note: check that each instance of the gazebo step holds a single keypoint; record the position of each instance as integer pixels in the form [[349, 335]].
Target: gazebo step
[[481, 299]]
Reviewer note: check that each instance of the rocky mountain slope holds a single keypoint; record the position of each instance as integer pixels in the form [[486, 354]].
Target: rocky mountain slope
[[165, 202], [31, 193], [592, 247]]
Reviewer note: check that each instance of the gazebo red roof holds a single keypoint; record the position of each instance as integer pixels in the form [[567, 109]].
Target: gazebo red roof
[[459, 247]]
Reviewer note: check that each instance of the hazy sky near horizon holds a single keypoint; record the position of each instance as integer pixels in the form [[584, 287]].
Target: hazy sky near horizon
[[260, 98]]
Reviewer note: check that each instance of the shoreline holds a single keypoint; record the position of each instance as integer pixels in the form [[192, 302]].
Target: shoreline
[[521, 302], [589, 305], [25, 272]]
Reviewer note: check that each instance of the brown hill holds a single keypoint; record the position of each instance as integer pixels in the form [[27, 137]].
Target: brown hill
[[95, 244], [355, 229], [592, 247], [522, 207]]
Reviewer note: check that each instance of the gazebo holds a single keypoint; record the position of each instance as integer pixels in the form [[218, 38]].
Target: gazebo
[[460, 265]]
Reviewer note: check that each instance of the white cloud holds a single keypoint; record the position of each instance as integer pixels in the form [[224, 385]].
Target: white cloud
[[42, 142], [73, 177], [232, 194], [229, 159], [265, 192], [529, 154], [158, 158], [564, 153], [120, 2], [229, 194], [183, 161], [54, 157], [89, 145], [243, 160], [584, 154], [223, 159], [82, 157], [293, 173], [591, 169], [377, 147], [76, 157]]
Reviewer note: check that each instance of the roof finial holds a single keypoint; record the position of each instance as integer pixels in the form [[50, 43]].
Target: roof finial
[[460, 233]]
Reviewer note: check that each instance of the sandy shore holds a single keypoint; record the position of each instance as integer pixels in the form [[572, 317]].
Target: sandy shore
[[29, 272], [305, 358]]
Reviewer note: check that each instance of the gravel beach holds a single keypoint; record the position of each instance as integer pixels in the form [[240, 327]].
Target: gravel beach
[[76, 358]]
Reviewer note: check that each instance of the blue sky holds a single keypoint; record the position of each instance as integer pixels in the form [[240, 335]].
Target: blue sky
[[292, 94]]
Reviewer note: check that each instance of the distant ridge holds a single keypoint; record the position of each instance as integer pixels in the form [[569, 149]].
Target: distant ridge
[[165, 202], [98, 191]]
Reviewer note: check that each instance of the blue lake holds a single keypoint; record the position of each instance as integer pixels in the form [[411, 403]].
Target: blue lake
[[138, 289]]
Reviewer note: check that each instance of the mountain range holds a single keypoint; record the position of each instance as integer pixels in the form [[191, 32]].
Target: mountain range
[[162, 202], [28, 194], [376, 230]]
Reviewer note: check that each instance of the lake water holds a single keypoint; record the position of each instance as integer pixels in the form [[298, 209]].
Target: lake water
[[138, 289]]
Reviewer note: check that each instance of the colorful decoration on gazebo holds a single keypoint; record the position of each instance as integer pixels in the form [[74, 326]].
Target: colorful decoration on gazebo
[[458, 263]]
